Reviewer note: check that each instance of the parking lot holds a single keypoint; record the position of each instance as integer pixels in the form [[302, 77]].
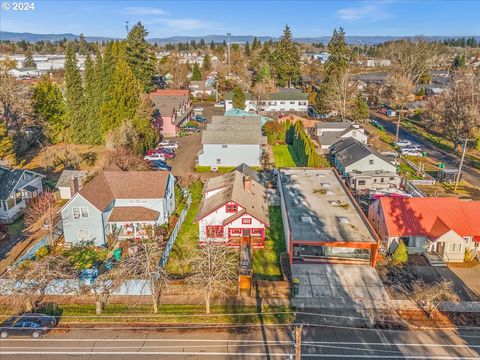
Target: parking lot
[[339, 286]]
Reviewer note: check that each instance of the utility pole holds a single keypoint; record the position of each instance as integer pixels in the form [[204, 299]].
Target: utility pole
[[461, 164], [126, 26], [397, 132], [228, 50], [298, 342]]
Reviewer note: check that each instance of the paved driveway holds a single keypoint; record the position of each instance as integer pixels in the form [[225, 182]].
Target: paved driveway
[[339, 286]]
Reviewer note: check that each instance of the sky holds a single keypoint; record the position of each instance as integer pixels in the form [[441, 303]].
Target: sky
[[247, 17]]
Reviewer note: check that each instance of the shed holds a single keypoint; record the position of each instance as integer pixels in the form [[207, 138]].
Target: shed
[[70, 182], [447, 175]]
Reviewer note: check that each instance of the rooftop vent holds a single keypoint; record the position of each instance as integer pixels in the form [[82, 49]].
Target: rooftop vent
[[343, 220], [325, 185], [334, 202], [306, 219], [330, 192]]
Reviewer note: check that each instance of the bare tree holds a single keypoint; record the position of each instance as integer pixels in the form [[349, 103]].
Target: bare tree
[[259, 94], [27, 284], [176, 68], [429, 296], [338, 94], [105, 284], [412, 58], [15, 102], [456, 112], [399, 91], [145, 265], [125, 159], [43, 209], [214, 271]]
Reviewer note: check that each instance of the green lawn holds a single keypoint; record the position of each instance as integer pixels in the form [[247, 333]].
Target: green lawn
[[266, 262], [187, 239], [282, 156], [16, 228], [168, 314]]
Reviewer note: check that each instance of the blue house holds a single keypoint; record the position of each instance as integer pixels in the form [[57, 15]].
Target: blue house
[[118, 202]]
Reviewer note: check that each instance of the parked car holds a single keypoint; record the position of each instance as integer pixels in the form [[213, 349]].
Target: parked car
[[160, 166], [410, 149], [412, 153], [191, 129], [220, 104], [155, 156], [403, 143], [198, 109], [28, 324], [200, 119], [170, 146], [168, 154], [164, 142]]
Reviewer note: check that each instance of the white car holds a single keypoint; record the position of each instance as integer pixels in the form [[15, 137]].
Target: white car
[[168, 144], [164, 143], [198, 109], [410, 148], [403, 143], [412, 153], [220, 104], [155, 156]]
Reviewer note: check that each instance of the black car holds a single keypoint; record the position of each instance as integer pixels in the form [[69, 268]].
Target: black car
[[30, 324]]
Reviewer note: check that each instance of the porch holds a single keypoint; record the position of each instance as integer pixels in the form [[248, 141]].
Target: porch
[[129, 230], [131, 222]]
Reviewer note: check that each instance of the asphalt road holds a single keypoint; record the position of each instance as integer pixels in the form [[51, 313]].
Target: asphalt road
[[470, 173], [321, 342]]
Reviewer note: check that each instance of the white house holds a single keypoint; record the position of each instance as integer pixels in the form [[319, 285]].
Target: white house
[[17, 187], [234, 209], [442, 228], [282, 101], [232, 140], [328, 133], [118, 202]]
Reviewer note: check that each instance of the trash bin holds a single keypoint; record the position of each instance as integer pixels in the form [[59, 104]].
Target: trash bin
[[424, 154], [441, 165], [117, 254], [296, 286]]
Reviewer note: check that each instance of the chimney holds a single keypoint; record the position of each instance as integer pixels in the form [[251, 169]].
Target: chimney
[[73, 185], [247, 184]]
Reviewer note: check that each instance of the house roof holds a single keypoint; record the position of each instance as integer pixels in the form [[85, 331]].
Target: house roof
[[166, 105], [110, 185], [67, 175], [350, 150], [234, 130], [233, 190], [9, 179], [331, 137], [282, 94], [430, 216], [341, 125], [132, 213]]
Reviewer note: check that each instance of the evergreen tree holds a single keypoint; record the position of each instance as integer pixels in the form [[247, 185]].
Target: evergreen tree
[[247, 49], [122, 98], [255, 44], [140, 56], [212, 45], [142, 121], [92, 98], [82, 45], [238, 98], [207, 63], [196, 74], [202, 43], [73, 95], [49, 106], [459, 61], [285, 60], [7, 152], [339, 54], [29, 62], [361, 110], [264, 74]]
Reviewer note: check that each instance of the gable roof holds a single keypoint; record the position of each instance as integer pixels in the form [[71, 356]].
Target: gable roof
[[234, 130], [331, 137], [233, 190], [350, 150], [110, 185], [281, 94], [67, 175], [431, 216], [9, 179]]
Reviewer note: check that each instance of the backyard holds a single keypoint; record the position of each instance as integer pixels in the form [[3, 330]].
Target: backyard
[[266, 262], [282, 156]]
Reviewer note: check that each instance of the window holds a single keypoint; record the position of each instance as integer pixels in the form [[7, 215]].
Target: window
[[231, 208], [282, 102], [382, 180], [370, 161], [292, 102], [219, 161], [361, 182], [224, 146], [408, 241], [246, 221], [80, 212], [214, 231]]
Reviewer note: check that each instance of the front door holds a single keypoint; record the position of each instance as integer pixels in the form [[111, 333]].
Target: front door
[[440, 248], [246, 232]]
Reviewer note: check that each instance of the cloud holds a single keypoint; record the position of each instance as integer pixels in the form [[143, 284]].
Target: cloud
[[368, 11], [142, 11], [183, 24]]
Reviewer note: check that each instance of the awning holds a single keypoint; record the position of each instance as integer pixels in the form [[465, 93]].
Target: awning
[[30, 188], [133, 214]]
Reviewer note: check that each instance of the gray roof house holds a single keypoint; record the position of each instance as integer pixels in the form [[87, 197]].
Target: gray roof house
[[17, 187], [70, 182], [328, 133], [232, 140], [351, 157], [118, 202]]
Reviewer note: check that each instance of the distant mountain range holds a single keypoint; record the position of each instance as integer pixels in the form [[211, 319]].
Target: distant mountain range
[[14, 36]]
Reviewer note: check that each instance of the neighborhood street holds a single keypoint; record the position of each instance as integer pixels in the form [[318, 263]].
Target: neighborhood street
[[469, 173], [320, 342]]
